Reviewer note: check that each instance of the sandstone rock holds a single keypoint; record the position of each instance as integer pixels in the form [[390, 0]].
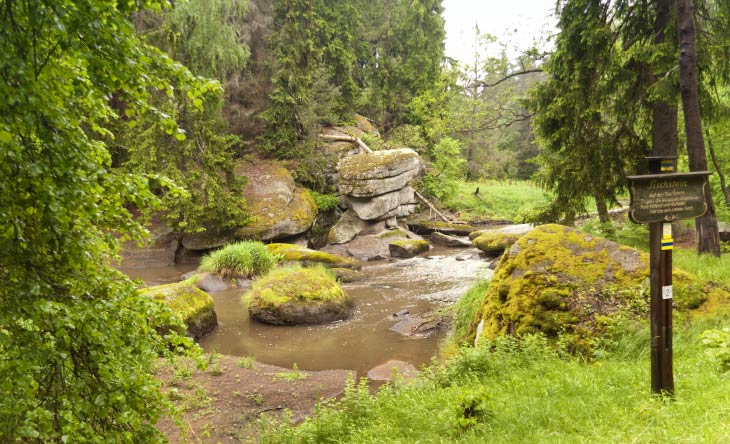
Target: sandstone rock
[[157, 251], [407, 248], [367, 175], [385, 372], [279, 208], [383, 206], [556, 279], [445, 240], [520, 229], [306, 257], [295, 296], [193, 306], [346, 229], [420, 326], [209, 282], [369, 248], [209, 239], [494, 243], [348, 275]]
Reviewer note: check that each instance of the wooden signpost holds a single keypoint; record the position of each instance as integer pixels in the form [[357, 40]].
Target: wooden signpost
[[658, 199]]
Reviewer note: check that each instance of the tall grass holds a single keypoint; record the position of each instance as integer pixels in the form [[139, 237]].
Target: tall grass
[[704, 266], [530, 393], [240, 260]]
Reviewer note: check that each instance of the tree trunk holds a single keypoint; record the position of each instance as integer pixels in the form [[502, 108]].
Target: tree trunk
[[602, 209], [664, 112], [723, 186], [708, 238]]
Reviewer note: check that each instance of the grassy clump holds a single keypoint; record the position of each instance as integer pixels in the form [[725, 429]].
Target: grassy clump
[[240, 260], [465, 310], [523, 391]]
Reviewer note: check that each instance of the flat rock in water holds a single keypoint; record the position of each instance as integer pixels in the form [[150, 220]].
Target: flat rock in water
[[385, 372], [428, 227], [407, 248], [445, 240], [419, 326]]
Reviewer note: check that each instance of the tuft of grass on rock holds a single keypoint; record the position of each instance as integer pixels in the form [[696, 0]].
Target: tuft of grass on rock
[[240, 260]]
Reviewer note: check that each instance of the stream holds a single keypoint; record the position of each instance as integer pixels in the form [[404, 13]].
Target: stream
[[419, 285]]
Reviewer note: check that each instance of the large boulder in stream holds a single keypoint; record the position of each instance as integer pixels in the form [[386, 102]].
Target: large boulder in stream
[[280, 208], [296, 296], [193, 306], [558, 280]]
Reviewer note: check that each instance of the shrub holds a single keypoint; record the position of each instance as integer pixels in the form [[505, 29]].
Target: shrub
[[242, 259], [325, 202]]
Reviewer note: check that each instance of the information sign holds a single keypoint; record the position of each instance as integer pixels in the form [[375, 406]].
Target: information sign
[[667, 197]]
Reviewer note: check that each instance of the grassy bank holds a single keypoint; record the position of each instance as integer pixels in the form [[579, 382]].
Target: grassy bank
[[521, 391], [496, 200]]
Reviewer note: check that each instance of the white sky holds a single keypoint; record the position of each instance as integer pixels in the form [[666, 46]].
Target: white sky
[[516, 22]]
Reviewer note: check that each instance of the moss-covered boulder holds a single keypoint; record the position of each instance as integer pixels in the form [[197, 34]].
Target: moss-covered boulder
[[378, 173], [296, 296], [556, 280], [307, 257], [193, 306], [280, 209], [407, 248], [494, 243]]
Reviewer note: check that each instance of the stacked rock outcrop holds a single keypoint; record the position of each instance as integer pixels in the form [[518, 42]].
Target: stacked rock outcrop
[[374, 187]]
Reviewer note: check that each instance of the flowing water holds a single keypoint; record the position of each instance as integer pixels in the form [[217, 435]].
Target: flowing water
[[418, 285]]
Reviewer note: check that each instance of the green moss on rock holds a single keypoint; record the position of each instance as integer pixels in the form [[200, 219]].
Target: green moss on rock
[[557, 280], [408, 247], [193, 306], [495, 243], [296, 295], [306, 256]]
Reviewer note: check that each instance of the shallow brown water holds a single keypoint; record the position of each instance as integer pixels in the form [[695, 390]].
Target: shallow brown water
[[360, 343]]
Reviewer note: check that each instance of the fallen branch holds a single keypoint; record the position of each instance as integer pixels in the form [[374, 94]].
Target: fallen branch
[[343, 138], [423, 199]]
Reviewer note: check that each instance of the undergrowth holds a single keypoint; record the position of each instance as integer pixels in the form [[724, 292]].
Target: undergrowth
[[523, 391]]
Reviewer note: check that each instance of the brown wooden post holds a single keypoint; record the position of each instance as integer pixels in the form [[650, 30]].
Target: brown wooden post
[[660, 279]]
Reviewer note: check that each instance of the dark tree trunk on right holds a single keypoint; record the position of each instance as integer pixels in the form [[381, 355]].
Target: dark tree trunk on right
[[708, 239]]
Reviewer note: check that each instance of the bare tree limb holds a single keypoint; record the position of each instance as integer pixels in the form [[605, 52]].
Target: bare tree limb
[[509, 76], [344, 138], [424, 200]]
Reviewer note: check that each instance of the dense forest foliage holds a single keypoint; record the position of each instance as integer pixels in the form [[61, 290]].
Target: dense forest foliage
[[109, 106]]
